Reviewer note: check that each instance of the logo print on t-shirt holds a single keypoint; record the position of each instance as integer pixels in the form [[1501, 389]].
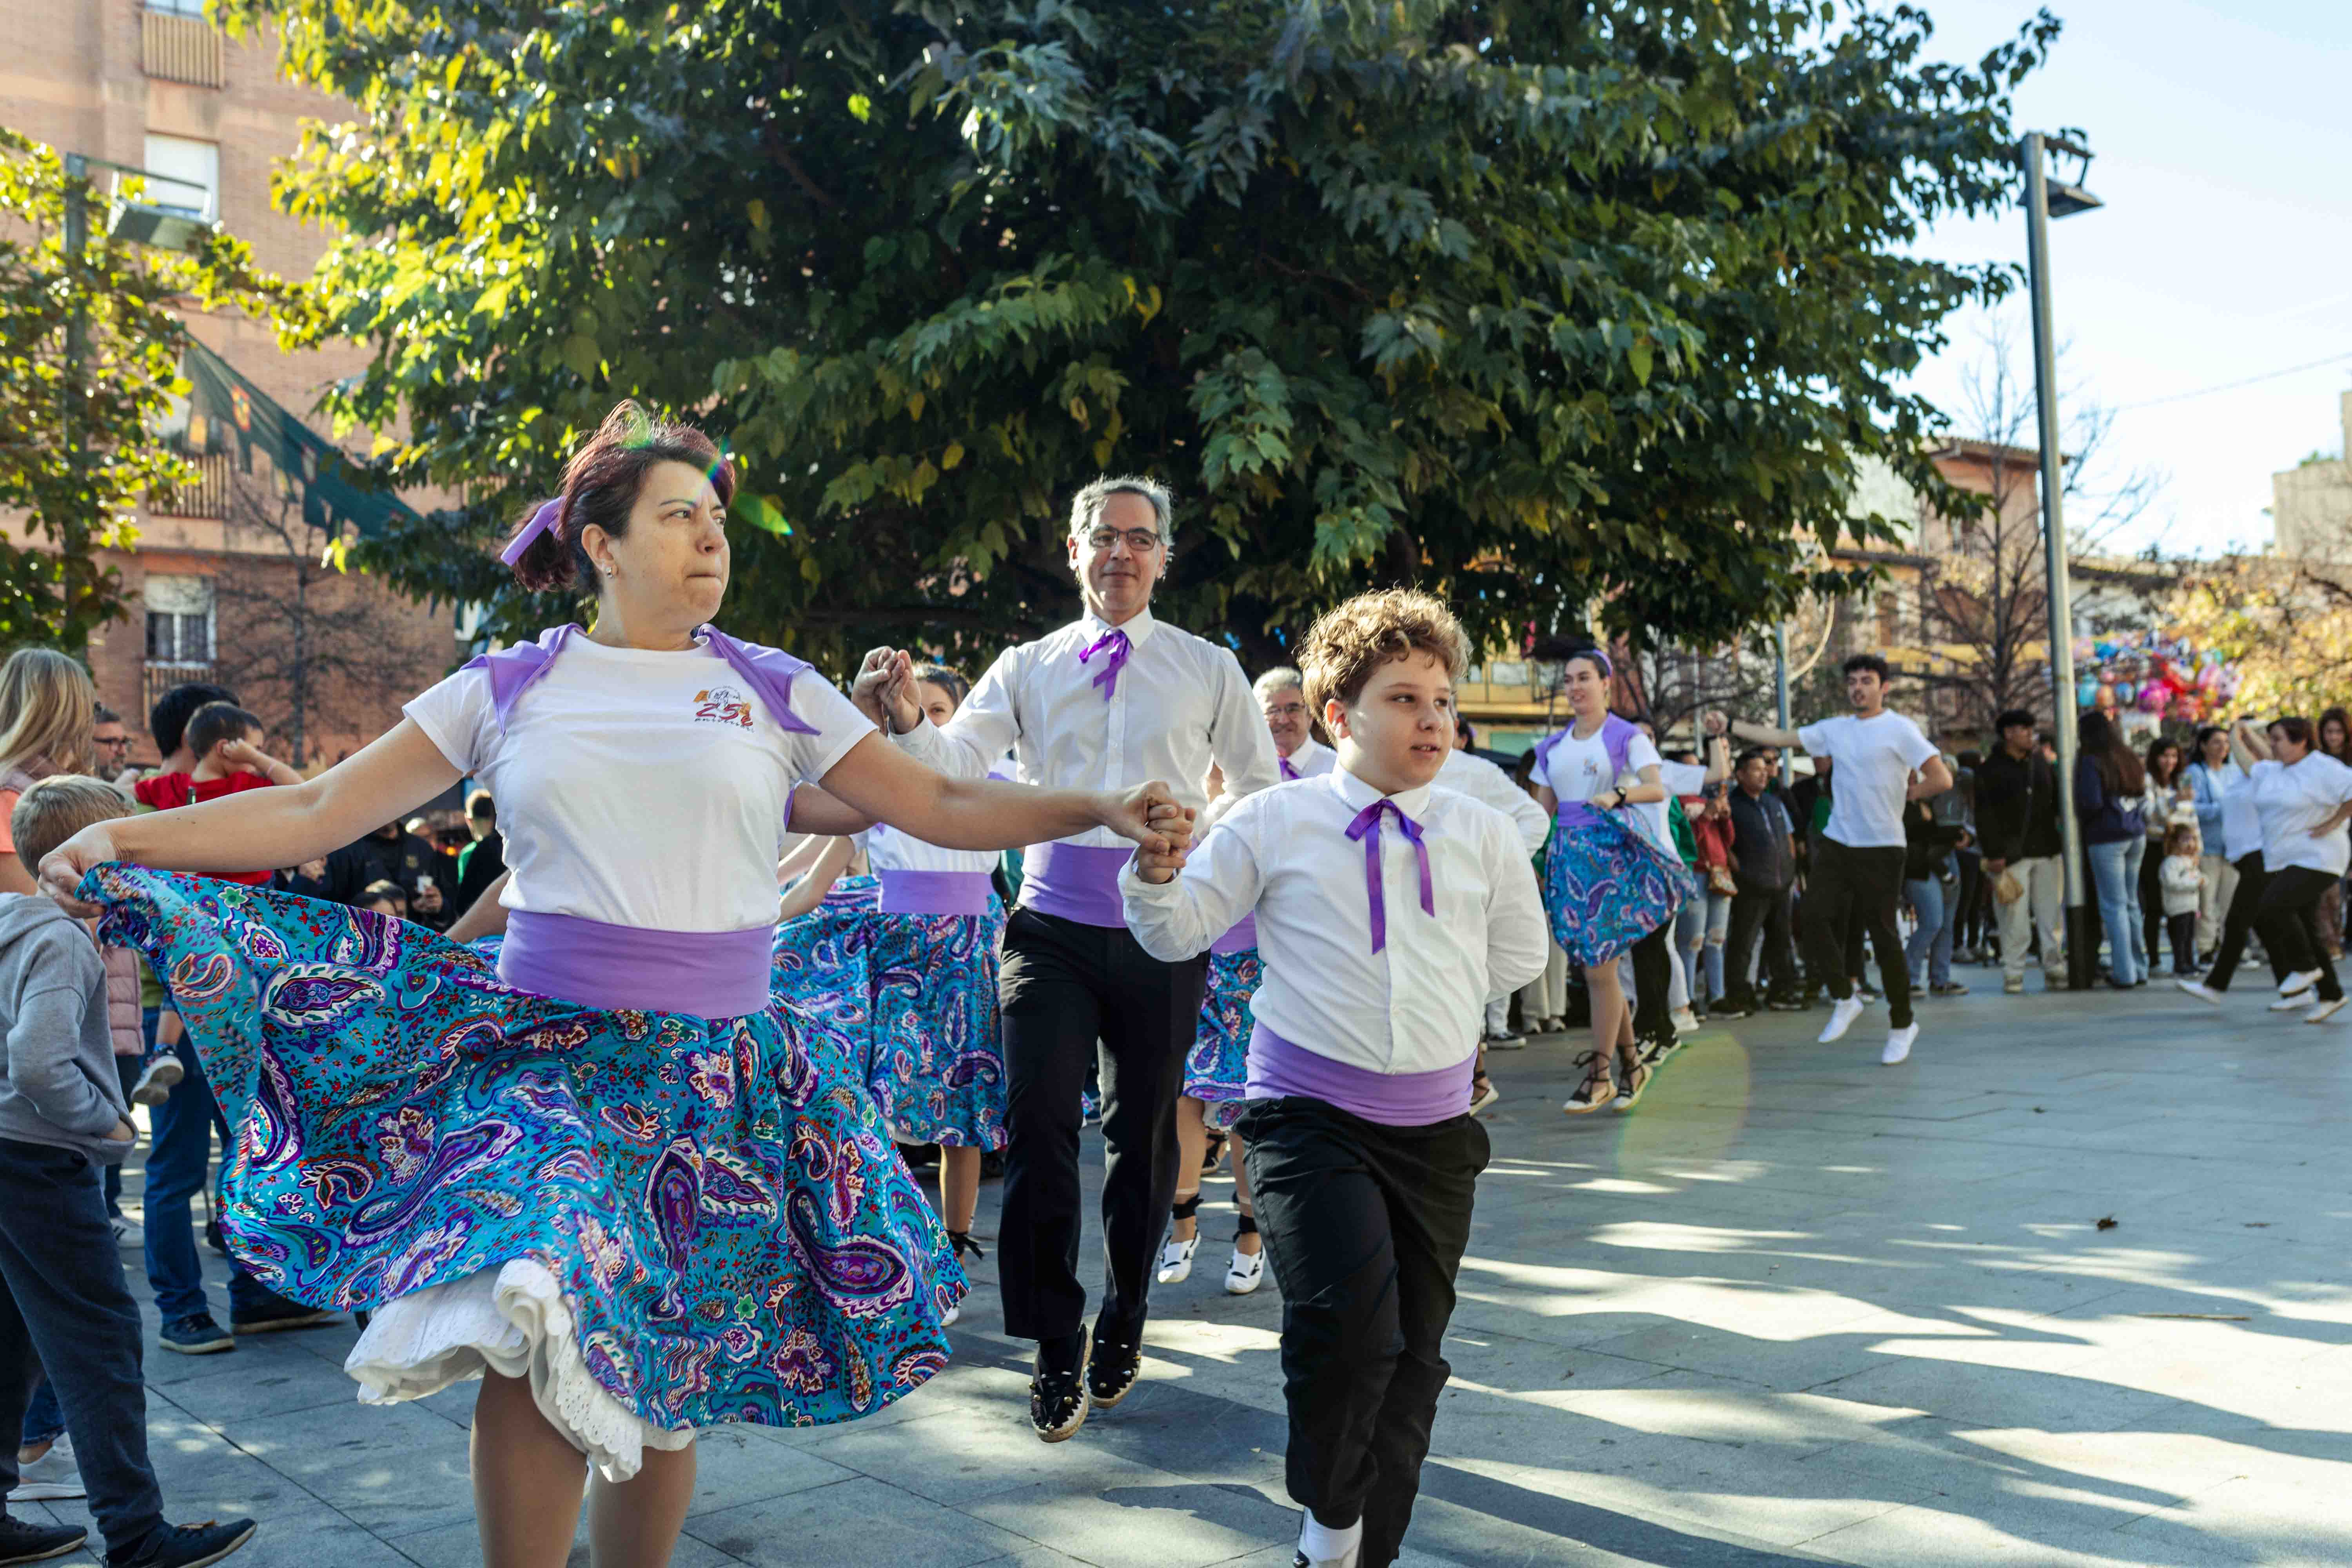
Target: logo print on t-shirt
[[723, 705]]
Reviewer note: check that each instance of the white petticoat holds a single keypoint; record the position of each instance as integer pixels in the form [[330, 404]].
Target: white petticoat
[[515, 1323]]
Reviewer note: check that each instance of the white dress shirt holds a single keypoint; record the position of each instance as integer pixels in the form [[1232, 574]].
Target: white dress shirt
[[1416, 1005], [1311, 760], [1483, 782], [1180, 703]]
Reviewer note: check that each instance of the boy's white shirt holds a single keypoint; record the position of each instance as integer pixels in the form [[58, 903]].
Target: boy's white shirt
[[1418, 1005]]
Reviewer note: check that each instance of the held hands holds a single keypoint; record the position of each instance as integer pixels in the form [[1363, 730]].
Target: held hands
[[1714, 722], [884, 691], [63, 868], [1156, 820]]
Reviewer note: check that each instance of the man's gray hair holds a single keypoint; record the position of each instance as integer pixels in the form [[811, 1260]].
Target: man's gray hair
[[1281, 677], [1087, 505]]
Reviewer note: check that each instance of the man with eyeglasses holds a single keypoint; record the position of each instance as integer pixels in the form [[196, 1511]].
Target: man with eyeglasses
[[1281, 695], [113, 745], [1114, 696]]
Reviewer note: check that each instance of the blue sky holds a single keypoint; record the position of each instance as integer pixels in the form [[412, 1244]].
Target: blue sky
[[2223, 136]]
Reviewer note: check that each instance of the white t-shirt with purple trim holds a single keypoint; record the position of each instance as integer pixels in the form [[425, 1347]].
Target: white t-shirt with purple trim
[[640, 788]]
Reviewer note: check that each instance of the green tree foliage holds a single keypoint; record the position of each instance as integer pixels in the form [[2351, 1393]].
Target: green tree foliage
[[79, 497], [1545, 306]]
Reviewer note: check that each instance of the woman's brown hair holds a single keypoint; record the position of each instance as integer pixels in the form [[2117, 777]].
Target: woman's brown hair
[[600, 487], [2102, 745]]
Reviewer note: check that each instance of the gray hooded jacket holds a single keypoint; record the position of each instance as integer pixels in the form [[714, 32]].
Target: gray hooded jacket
[[57, 1082]]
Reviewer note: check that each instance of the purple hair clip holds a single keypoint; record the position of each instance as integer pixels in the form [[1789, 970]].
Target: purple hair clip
[[544, 521]]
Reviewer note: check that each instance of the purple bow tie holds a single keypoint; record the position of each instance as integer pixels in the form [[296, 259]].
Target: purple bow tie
[[1115, 642], [1367, 827], [1288, 771]]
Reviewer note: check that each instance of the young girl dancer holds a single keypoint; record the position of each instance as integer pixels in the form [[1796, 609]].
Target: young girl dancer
[[1388, 910], [607, 1175], [1607, 883], [934, 1062]]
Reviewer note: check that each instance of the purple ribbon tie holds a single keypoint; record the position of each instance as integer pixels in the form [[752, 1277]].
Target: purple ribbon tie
[[1288, 771], [545, 518], [1367, 827], [768, 671], [1115, 642]]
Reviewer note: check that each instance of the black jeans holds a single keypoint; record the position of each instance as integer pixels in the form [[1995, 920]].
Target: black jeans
[[2288, 918], [1365, 1226], [1853, 891], [1063, 986], [66, 1310], [1765, 912], [2239, 919], [2183, 929], [1653, 982]]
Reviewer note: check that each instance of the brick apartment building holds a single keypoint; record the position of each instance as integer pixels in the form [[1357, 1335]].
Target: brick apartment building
[[222, 572]]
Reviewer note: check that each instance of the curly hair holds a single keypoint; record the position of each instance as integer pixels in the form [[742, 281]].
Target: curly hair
[[1349, 642]]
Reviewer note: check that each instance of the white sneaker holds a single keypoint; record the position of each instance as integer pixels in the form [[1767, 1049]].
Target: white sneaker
[[1898, 1045], [156, 1078], [2199, 989], [2298, 1003], [128, 1232], [1246, 1272], [1176, 1259], [2325, 1011], [1842, 1017], [2295, 985], [1685, 1020], [52, 1476], [948, 1318], [1505, 1041]]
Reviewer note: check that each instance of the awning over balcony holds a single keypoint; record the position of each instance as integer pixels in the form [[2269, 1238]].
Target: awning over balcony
[[229, 413]]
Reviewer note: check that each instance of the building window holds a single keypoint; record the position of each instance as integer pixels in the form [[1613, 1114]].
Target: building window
[[178, 7], [190, 174], [1503, 672], [178, 620]]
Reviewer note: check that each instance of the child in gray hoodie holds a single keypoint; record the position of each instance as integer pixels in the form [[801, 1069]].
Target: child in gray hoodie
[[65, 1307]]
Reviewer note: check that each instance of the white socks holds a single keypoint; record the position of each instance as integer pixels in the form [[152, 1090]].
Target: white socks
[[1327, 1548]]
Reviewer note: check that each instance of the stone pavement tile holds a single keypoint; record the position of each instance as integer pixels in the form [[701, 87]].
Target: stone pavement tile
[[395, 1470], [460, 1546], [954, 1459], [243, 1387], [1759, 1491], [1801, 1361], [855, 1523], [1930, 1535], [1992, 1392], [2251, 1521], [2096, 1479], [733, 1466], [1152, 1520], [312, 1536]]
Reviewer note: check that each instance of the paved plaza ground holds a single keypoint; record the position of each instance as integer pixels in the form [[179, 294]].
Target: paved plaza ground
[[1799, 1308]]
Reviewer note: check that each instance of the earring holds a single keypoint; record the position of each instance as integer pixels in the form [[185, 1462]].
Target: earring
[[610, 569]]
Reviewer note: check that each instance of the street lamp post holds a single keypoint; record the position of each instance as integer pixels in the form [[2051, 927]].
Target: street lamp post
[[2045, 199]]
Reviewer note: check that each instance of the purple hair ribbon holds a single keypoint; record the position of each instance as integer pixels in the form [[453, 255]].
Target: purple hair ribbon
[[544, 521]]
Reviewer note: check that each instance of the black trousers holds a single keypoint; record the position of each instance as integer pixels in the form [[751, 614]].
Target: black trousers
[[1365, 1226], [2239, 919], [1853, 891], [66, 1311], [1765, 913], [2288, 918], [1062, 987], [1654, 983], [2151, 901], [2183, 929]]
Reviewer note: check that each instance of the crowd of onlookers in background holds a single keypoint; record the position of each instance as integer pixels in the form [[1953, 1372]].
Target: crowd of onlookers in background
[[65, 761]]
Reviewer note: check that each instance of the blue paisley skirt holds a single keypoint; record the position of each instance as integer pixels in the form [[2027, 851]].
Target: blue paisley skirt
[[936, 1061], [821, 962], [1216, 1073], [684, 1221], [1606, 886]]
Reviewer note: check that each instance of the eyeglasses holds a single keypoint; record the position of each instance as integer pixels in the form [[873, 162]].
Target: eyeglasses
[[1143, 541], [1286, 709], [119, 743]]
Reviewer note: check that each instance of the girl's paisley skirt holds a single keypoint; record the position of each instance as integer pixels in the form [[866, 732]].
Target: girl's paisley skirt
[[935, 1060], [1606, 886], [1216, 1073]]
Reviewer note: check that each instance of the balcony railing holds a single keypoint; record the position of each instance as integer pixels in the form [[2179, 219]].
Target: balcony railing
[[157, 678], [207, 498], [182, 48]]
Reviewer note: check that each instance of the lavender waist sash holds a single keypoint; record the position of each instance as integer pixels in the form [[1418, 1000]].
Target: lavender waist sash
[[1278, 1068], [909, 892], [1575, 814], [1074, 881], [707, 974], [1241, 939]]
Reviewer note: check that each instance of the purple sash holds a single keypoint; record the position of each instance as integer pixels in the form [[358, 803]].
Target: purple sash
[[766, 671], [1074, 882], [1278, 1069], [1241, 939], [1616, 739], [935, 892], [706, 973]]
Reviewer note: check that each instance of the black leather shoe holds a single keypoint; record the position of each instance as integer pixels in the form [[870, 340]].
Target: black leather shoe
[[22, 1541], [1112, 1371], [1057, 1405], [188, 1545]]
